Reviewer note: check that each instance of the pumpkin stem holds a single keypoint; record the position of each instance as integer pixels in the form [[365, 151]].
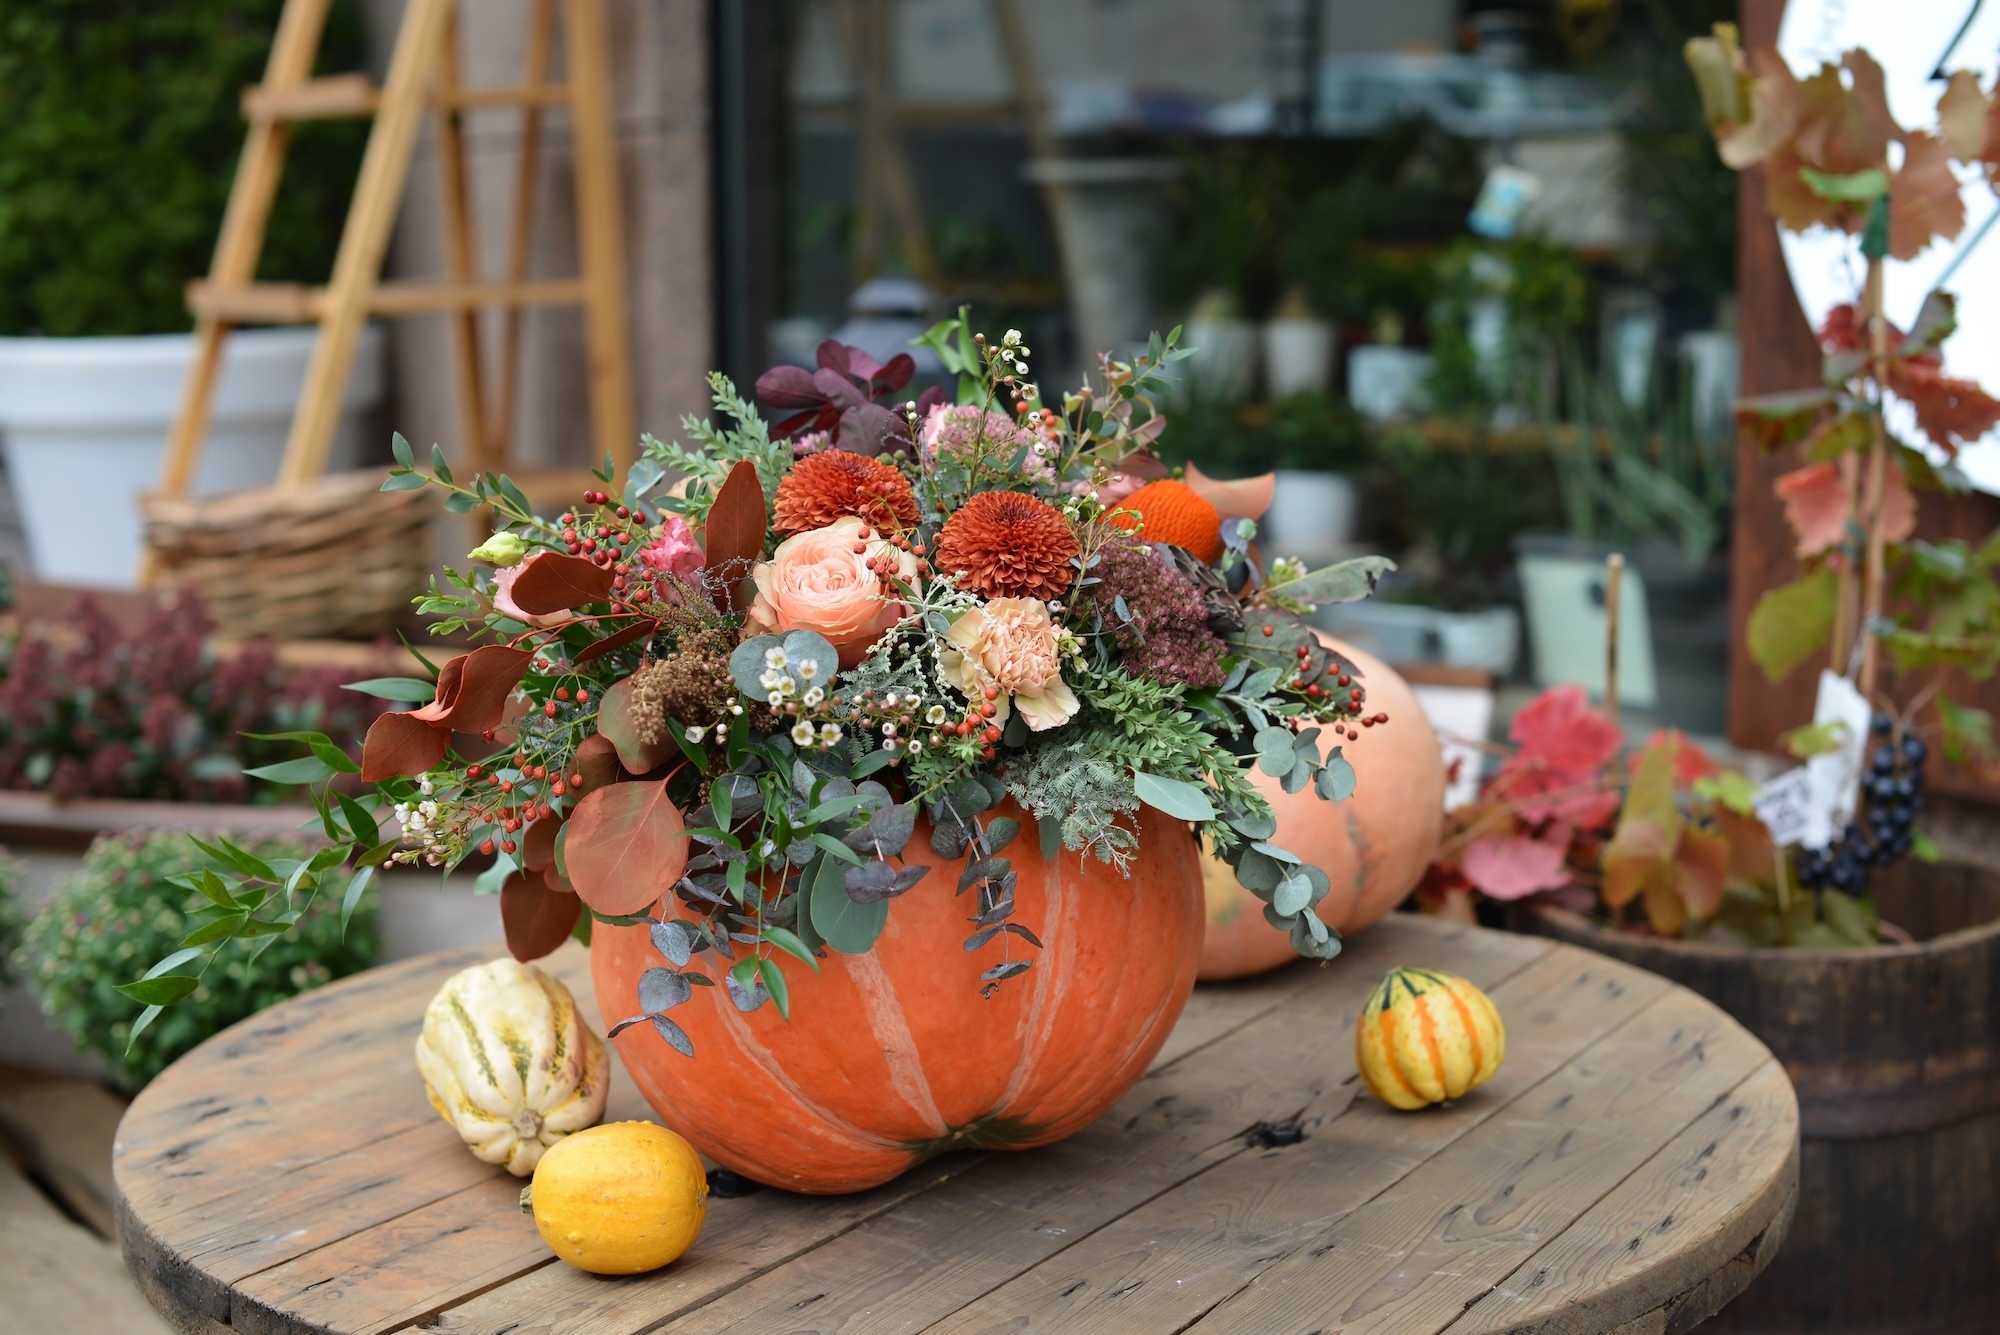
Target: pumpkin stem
[[528, 1199]]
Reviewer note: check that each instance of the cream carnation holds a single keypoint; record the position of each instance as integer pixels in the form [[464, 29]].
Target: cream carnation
[[1011, 644], [820, 581]]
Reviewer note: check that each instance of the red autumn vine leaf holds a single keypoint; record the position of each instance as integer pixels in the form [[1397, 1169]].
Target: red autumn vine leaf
[[1701, 865], [1514, 866], [1815, 502], [400, 746], [1962, 112], [733, 537], [626, 847], [552, 582], [614, 723], [1951, 411], [472, 689], [1924, 199], [1635, 856], [1690, 761], [536, 919]]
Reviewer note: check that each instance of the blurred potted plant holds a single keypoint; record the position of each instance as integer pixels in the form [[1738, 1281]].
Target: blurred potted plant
[[134, 898], [1887, 1034], [1226, 208], [119, 128]]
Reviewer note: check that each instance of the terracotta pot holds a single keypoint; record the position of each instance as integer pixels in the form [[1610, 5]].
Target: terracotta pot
[[1373, 847], [894, 1056]]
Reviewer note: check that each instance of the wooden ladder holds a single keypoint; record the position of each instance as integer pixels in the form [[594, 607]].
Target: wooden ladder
[[423, 77]]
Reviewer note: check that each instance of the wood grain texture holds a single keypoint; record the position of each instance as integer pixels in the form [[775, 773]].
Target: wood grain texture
[[290, 1177]]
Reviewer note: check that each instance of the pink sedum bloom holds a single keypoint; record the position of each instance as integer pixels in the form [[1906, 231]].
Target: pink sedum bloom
[[1011, 645]]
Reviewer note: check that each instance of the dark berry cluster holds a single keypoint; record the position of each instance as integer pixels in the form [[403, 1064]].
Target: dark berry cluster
[[1881, 833]]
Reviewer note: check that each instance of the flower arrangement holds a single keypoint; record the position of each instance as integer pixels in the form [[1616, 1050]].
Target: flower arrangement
[[735, 696]]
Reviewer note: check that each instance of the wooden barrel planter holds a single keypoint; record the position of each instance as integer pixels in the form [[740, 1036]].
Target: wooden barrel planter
[[1895, 1054]]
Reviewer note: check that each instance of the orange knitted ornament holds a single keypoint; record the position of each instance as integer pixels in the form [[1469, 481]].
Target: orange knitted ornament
[[834, 484], [1174, 513], [1006, 544]]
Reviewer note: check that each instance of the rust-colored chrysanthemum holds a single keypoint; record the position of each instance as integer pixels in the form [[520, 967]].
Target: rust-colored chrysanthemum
[[1006, 544], [1175, 513], [834, 484]]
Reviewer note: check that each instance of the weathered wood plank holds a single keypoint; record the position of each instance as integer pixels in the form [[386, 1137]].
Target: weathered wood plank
[[62, 1129], [56, 1275], [399, 1270], [1172, 1259], [1667, 1230], [1413, 1259]]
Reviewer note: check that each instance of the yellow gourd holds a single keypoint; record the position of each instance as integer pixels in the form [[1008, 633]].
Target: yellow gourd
[[510, 1064], [1426, 1037], [619, 1199]]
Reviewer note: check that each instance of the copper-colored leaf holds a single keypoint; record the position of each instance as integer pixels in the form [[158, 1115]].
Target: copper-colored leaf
[[1774, 113], [400, 746], [1752, 856], [535, 918], [556, 581], [538, 844], [733, 538], [626, 847], [1513, 866], [556, 881], [1844, 122], [1701, 865], [1924, 199], [1634, 856], [596, 760], [614, 721], [472, 689], [1665, 913], [1815, 501], [1962, 115], [1792, 202], [1951, 411], [631, 634]]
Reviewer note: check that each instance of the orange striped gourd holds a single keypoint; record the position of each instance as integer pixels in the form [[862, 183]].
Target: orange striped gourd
[[1427, 1037]]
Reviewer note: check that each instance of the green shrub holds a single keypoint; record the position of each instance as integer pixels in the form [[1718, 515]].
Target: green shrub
[[119, 133], [109, 921], [12, 921]]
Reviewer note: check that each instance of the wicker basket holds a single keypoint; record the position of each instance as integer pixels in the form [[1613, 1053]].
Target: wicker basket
[[334, 557]]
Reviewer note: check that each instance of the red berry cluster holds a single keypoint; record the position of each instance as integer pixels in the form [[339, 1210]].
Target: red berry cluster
[[607, 537]]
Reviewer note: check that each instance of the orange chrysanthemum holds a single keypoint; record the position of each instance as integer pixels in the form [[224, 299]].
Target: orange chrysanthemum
[[1006, 544], [1174, 513], [834, 484]]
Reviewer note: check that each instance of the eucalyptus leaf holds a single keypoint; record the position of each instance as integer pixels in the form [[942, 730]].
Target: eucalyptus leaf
[[1182, 801], [676, 1036], [675, 940], [844, 925], [662, 990]]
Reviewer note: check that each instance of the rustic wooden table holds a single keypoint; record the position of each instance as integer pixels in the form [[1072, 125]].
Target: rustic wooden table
[[1630, 1168]]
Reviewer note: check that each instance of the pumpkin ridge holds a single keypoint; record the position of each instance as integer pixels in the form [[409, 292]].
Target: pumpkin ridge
[[732, 1023], [1388, 1028], [884, 1010], [1471, 1029], [1035, 1034], [473, 1040], [1427, 1031]]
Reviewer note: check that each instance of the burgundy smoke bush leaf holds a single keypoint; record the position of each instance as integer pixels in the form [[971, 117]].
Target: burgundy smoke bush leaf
[[535, 918], [555, 582], [870, 429], [833, 355], [401, 746], [789, 387], [930, 398], [839, 390], [472, 689]]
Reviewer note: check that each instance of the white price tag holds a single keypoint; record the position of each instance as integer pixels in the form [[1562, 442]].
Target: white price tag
[[1836, 775], [1785, 806]]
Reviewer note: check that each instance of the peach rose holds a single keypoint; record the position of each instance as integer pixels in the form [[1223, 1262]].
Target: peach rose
[[820, 581], [1011, 644]]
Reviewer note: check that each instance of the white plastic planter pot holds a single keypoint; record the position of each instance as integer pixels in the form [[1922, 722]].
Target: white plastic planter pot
[[84, 423], [1298, 354], [1387, 383], [1565, 598], [1311, 517]]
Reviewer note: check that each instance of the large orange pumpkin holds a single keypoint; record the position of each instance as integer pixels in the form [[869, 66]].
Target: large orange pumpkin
[[1373, 847], [893, 1056]]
